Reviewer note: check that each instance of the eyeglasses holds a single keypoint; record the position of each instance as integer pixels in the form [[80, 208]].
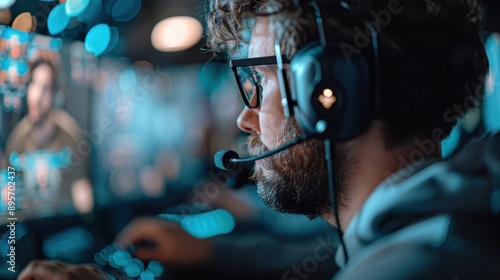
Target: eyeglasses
[[249, 80]]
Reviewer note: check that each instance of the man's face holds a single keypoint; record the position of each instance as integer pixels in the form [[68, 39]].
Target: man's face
[[293, 181], [40, 94]]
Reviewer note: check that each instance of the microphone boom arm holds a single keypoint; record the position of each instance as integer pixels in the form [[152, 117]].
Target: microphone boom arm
[[294, 142]]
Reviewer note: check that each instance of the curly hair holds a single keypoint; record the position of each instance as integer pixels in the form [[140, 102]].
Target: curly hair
[[430, 53]]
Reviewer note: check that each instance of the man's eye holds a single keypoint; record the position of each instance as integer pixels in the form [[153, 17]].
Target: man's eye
[[258, 77]]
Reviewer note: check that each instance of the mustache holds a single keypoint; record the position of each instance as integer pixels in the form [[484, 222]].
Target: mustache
[[255, 146], [287, 131]]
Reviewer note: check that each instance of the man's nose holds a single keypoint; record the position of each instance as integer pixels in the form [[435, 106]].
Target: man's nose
[[248, 121]]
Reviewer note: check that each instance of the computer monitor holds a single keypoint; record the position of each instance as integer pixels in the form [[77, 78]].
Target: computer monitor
[[42, 172]]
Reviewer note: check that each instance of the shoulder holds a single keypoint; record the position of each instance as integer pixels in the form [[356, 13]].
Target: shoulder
[[467, 250], [68, 125], [18, 133]]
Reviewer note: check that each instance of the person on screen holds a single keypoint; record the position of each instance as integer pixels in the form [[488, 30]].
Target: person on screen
[[404, 212], [43, 146]]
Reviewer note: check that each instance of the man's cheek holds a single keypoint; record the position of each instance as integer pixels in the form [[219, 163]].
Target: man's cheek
[[270, 128]]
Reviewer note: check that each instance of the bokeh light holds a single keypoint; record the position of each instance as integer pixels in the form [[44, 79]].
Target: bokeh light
[[74, 8], [132, 269], [121, 258], [491, 102], [208, 224], [91, 12], [156, 268], [6, 3], [101, 39], [125, 10], [204, 225], [151, 181], [176, 34], [57, 20], [147, 275], [25, 22], [127, 80]]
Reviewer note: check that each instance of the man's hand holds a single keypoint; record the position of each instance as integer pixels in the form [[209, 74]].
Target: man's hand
[[169, 243], [50, 270]]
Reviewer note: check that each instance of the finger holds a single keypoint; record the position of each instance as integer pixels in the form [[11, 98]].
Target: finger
[[131, 233], [139, 230], [92, 271], [54, 263], [38, 270], [26, 272], [133, 230]]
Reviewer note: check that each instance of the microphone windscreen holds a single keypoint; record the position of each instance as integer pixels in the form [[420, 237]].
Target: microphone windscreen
[[222, 160]]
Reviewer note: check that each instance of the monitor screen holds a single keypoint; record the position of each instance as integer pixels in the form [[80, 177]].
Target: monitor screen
[[92, 132], [42, 173]]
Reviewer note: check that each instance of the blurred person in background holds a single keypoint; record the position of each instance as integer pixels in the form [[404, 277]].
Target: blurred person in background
[[45, 145]]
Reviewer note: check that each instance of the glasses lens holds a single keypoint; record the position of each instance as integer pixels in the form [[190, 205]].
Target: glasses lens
[[249, 84]]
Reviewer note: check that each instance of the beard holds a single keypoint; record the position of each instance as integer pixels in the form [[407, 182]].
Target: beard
[[296, 180]]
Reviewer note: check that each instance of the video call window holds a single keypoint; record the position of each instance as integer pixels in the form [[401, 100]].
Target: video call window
[[38, 138]]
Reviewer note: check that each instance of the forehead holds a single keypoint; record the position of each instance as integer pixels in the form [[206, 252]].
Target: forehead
[[42, 72], [262, 40]]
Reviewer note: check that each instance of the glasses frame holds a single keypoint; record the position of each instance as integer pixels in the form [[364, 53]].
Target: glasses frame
[[256, 61]]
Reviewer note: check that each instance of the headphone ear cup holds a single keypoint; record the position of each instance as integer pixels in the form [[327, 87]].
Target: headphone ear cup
[[332, 94], [306, 73]]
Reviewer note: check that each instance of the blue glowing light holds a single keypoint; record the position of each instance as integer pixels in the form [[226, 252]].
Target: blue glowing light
[[76, 7], [113, 263], [156, 268], [121, 258], [21, 36], [56, 159], [6, 64], [55, 44], [91, 12], [6, 3], [491, 102], [74, 239], [22, 68], [57, 20], [101, 39], [138, 262], [449, 144], [172, 217], [204, 225], [132, 269], [147, 275], [125, 10], [127, 80]]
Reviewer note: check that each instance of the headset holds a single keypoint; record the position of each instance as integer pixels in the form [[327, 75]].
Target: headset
[[331, 94]]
